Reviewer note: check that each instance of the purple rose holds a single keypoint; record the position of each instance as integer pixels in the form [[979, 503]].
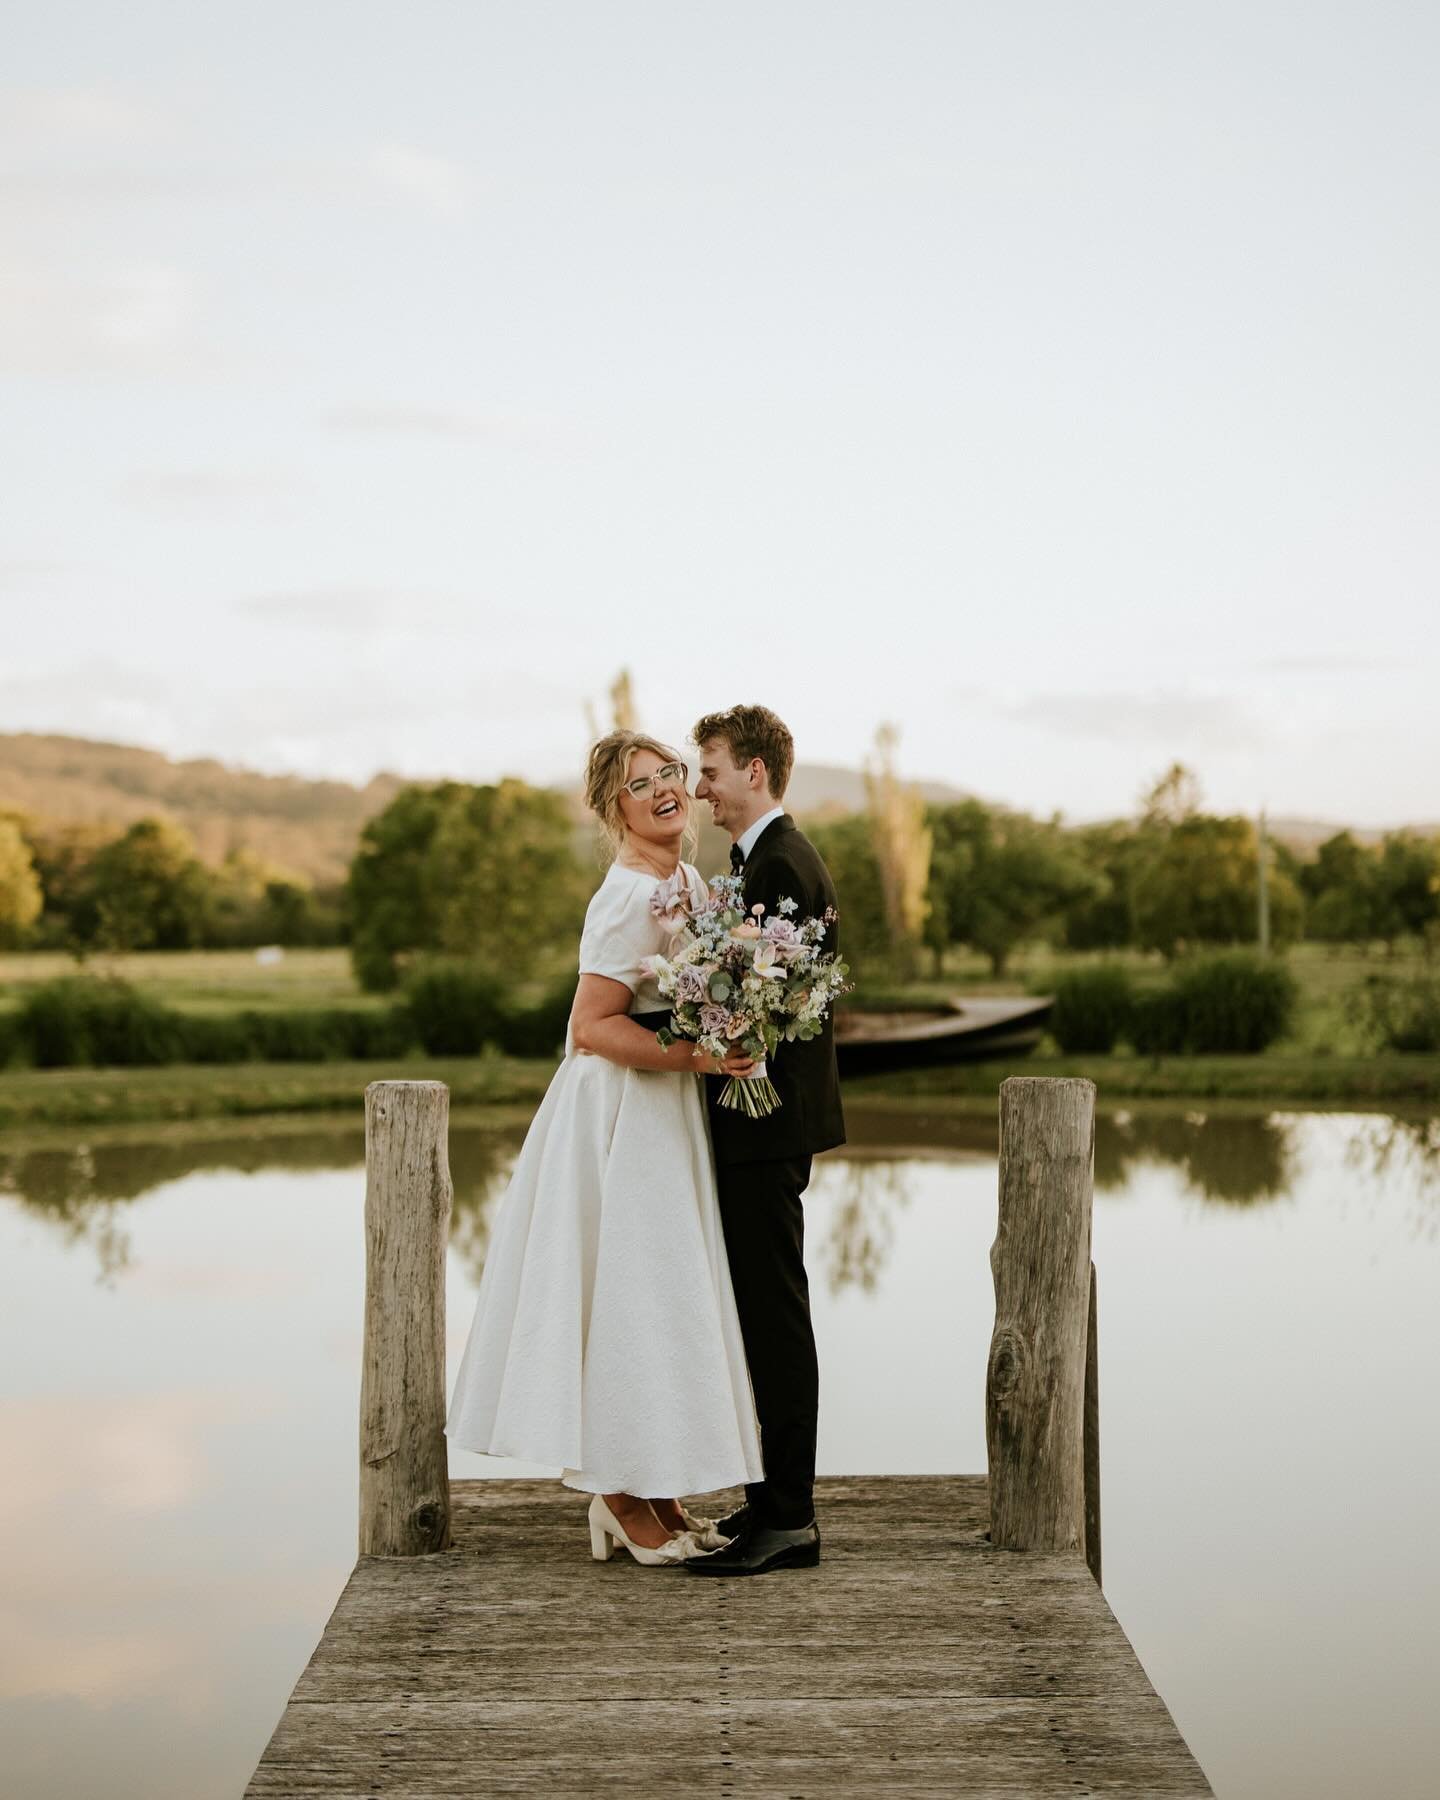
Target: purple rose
[[689, 983], [714, 1021]]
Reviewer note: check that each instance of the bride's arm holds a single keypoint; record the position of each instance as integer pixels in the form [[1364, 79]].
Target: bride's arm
[[600, 1022]]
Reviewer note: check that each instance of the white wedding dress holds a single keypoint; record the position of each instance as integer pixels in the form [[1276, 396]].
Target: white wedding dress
[[605, 1340]]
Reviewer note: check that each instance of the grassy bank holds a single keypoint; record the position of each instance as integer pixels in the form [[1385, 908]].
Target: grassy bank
[[40, 1097], [1324, 1061], [31, 1097]]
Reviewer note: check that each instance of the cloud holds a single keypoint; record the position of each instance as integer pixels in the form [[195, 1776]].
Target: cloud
[[434, 184], [401, 421], [347, 609], [45, 120], [1210, 720], [202, 492], [127, 317], [514, 430], [1325, 663]]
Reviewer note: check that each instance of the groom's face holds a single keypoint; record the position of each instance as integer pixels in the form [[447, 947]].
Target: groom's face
[[737, 797]]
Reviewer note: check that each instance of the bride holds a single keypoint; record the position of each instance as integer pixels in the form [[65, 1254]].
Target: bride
[[605, 1336]]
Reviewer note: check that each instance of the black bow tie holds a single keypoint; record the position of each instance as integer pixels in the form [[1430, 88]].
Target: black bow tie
[[737, 859]]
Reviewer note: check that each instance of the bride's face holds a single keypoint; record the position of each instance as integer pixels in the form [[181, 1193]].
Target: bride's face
[[658, 814]]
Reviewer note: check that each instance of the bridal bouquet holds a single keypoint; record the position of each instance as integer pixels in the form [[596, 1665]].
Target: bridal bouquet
[[742, 980]]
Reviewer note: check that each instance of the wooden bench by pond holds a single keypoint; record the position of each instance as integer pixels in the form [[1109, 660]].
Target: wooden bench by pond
[[954, 1639]]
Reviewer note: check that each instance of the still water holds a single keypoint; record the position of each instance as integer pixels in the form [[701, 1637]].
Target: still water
[[180, 1318]]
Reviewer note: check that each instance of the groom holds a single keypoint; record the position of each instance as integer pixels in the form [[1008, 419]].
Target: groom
[[763, 1165]]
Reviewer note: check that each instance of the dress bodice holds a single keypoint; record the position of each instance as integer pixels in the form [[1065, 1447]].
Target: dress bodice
[[621, 930]]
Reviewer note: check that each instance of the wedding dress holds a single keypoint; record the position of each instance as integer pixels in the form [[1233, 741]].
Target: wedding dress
[[605, 1339]]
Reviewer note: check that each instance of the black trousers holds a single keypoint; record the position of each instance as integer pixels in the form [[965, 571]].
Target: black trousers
[[764, 1221]]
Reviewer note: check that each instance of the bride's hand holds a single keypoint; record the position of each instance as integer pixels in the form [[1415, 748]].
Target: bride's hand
[[737, 1063]]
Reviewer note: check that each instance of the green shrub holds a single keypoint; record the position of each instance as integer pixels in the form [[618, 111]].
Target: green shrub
[[455, 1009], [216, 1038], [1236, 1002], [1399, 1014], [12, 1039], [539, 1029], [1092, 1009], [1157, 1022], [83, 1020]]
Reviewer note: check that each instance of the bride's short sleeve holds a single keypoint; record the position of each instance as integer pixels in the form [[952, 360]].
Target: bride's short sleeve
[[619, 932]]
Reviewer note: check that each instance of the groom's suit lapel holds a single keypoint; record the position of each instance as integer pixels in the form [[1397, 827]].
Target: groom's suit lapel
[[763, 845]]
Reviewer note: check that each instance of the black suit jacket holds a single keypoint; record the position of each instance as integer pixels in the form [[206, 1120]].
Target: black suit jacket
[[785, 864]]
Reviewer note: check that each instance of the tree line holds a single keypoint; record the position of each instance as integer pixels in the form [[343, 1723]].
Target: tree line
[[1171, 879], [84, 889], [498, 876]]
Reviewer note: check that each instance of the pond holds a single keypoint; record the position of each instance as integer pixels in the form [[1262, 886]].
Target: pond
[[180, 1318]]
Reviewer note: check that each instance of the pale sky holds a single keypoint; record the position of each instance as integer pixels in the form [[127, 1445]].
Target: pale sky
[[1058, 381]]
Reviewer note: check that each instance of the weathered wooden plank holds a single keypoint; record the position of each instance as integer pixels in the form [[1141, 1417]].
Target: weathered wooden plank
[[962, 1746], [916, 1659]]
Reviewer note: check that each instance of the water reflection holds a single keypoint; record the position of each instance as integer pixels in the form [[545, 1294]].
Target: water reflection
[[1235, 1160], [861, 1234], [180, 1449], [81, 1185]]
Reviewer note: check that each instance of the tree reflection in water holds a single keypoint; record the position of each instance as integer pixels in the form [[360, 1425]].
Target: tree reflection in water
[[82, 1188], [1387, 1149], [81, 1183], [480, 1164], [862, 1222], [1238, 1159]]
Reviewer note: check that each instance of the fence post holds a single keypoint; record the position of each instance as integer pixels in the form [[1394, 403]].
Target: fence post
[[1035, 1387], [404, 1479]]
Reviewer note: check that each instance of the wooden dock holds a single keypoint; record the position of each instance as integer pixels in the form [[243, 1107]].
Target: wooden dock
[[914, 1660], [953, 1640]]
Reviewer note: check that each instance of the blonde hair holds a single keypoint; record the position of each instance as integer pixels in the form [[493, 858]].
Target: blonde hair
[[607, 769]]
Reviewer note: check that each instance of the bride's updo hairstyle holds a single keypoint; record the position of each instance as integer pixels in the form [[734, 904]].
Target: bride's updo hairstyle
[[606, 772]]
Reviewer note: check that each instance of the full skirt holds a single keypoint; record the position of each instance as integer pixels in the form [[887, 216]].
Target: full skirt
[[605, 1339]]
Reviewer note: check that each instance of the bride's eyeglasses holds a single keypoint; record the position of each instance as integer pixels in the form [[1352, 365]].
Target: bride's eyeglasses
[[644, 785]]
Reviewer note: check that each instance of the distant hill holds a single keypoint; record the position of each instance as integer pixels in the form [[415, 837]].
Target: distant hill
[[820, 790], [308, 827], [311, 827]]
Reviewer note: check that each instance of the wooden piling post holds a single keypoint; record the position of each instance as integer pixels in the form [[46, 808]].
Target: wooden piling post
[[404, 1476], [1035, 1388], [1092, 1436]]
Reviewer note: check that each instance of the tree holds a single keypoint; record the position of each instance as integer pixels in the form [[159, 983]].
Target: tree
[[1341, 886], [848, 847], [509, 892], [389, 898], [1407, 882], [1172, 798], [1113, 852], [1003, 878], [146, 890], [21, 897], [902, 849], [487, 873], [1198, 885]]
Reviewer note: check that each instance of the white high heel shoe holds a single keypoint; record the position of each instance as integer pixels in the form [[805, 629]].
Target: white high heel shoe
[[703, 1531], [606, 1532]]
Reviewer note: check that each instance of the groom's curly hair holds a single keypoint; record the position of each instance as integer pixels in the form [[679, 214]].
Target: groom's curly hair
[[751, 731]]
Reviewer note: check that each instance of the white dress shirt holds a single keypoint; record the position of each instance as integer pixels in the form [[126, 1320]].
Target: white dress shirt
[[747, 839]]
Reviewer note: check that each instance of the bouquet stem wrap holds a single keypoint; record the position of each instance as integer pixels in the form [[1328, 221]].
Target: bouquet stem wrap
[[754, 1095]]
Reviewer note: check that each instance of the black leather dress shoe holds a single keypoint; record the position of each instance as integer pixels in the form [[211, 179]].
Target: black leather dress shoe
[[758, 1550], [734, 1523]]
